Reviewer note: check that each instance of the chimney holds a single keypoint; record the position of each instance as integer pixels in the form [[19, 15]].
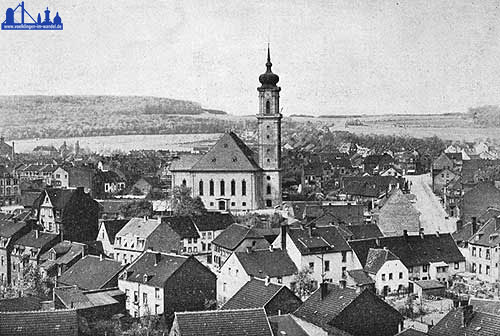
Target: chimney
[[283, 237], [467, 315], [342, 284], [249, 249], [146, 218], [474, 224], [421, 233], [405, 234], [37, 233], [101, 257], [377, 241], [271, 249], [437, 234], [13, 151], [268, 280], [157, 258], [323, 290]]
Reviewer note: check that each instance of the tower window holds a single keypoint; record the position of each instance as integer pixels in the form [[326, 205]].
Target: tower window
[[243, 188], [200, 188], [184, 183], [268, 136], [269, 178], [222, 187], [233, 187], [269, 203], [268, 107], [268, 189], [211, 187]]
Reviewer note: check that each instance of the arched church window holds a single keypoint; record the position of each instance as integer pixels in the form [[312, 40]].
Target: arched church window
[[222, 187], [233, 187], [200, 188], [243, 188], [268, 107], [268, 189], [211, 187], [184, 183]]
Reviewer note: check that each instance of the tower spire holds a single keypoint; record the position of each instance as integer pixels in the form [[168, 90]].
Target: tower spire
[[268, 64]]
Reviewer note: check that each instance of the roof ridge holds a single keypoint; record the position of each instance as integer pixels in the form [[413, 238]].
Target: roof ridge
[[38, 311], [217, 311]]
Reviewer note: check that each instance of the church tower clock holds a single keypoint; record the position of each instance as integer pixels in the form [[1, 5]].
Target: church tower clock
[[269, 136]]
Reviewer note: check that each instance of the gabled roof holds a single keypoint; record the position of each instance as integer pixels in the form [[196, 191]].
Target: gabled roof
[[72, 297], [8, 228], [66, 252], [412, 250], [346, 214], [58, 197], [30, 239], [62, 322], [360, 277], [213, 221], [318, 240], [255, 294], [481, 324], [138, 227], [248, 322], [369, 186], [164, 239], [363, 231], [182, 225], [286, 325], [113, 226], [185, 162], [377, 258], [232, 237], [90, 272], [157, 275], [486, 306], [262, 263], [228, 154], [488, 234], [23, 303]]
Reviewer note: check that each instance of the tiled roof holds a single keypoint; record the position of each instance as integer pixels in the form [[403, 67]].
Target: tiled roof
[[72, 297], [30, 239], [481, 324], [182, 225], [8, 227], [486, 306], [23, 303], [164, 239], [231, 237], [360, 277], [488, 214], [262, 263], [138, 227], [40, 323], [377, 258], [66, 252], [185, 162], [479, 199], [398, 214], [90, 272], [369, 186], [255, 294], [412, 250], [321, 239], [213, 221], [363, 231], [228, 154], [286, 325], [248, 322], [411, 332], [113, 227], [157, 275], [464, 233], [488, 234], [58, 197], [429, 284]]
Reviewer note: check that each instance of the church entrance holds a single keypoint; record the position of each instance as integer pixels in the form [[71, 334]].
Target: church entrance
[[222, 205]]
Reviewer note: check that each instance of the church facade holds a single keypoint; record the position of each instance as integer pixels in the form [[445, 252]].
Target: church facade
[[230, 176]]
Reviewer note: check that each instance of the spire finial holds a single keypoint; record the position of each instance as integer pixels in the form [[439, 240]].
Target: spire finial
[[268, 64]]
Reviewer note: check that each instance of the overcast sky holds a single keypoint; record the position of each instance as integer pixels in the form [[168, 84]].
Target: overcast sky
[[332, 56]]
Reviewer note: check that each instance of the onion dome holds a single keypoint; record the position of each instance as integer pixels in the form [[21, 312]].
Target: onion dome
[[268, 79]]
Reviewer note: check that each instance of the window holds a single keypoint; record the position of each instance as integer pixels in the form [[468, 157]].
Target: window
[[211, 187], [401, 275], [222, 188], [189, 240], [383, 277], [243, 188], [327, 265], [1, 261], [157, 293], [204, 235], [424, 268], [190, 250], [268, 189], [200, 188], [145, 298], [268, 107], [233, 187], [224, 285], [480, 269], [243, 203], [311, 266], [184, 183], [457, 265], [280, 280], [209, 235], [487, 269], [390, 276], [473, 251], [344, 256], [127, 295], [136, 296], [344, 272]]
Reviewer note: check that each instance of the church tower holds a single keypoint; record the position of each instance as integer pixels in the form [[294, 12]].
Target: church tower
[[269, 136]]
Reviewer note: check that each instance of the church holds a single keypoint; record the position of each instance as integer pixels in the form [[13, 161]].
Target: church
[[230, 176]]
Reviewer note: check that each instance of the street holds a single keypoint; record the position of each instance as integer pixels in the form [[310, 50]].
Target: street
[[432, 215]]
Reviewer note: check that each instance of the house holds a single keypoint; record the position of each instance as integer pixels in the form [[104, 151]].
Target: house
[[478, 199], [30, 172], [465, 321], [275, 299], [10, 192], [60, 177], [6, 150], [236, 238], [396, 215], [60, 257], [269, 264], [322, 251], [69, 212], [105, 184], [161, 284], [108, 230], [426, 257], [483, 255], [248, 322], [370, 188], [336, 309], [92, 272], [10, 231], [389, 273], [130, 241], [63, 322], [175, 234], [374, 164], [424, 288], [351, 214], [441, 179], [210, 226], [230, 176], [28, 249], [360, 280]]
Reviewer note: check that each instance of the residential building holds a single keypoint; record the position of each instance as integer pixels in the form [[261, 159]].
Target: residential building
[[210, 226], [484, 255], [108, 229], [60, 178], [130, 241], [92, 272], [229, 176], [248, 322], [62, 322], [161, 284], [387, 270], [60, 257], [6, 150], [333, 310], [69, 212], [441, 179], [396, 214], [10, 231], [270, 265], [236, 238], [275, 299], [175, 234], [106, 184], [10, 193]]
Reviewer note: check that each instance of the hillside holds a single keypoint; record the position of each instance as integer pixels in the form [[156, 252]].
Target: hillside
[[66, 116]]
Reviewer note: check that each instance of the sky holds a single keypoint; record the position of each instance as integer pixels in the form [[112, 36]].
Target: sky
[[332, 56]]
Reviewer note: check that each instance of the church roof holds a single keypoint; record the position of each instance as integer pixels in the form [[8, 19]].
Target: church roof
[[229, 154]]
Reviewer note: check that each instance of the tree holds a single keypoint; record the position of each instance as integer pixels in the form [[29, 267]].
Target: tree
[[185, 205], [303, 283], [137, 209], [31, 282]]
